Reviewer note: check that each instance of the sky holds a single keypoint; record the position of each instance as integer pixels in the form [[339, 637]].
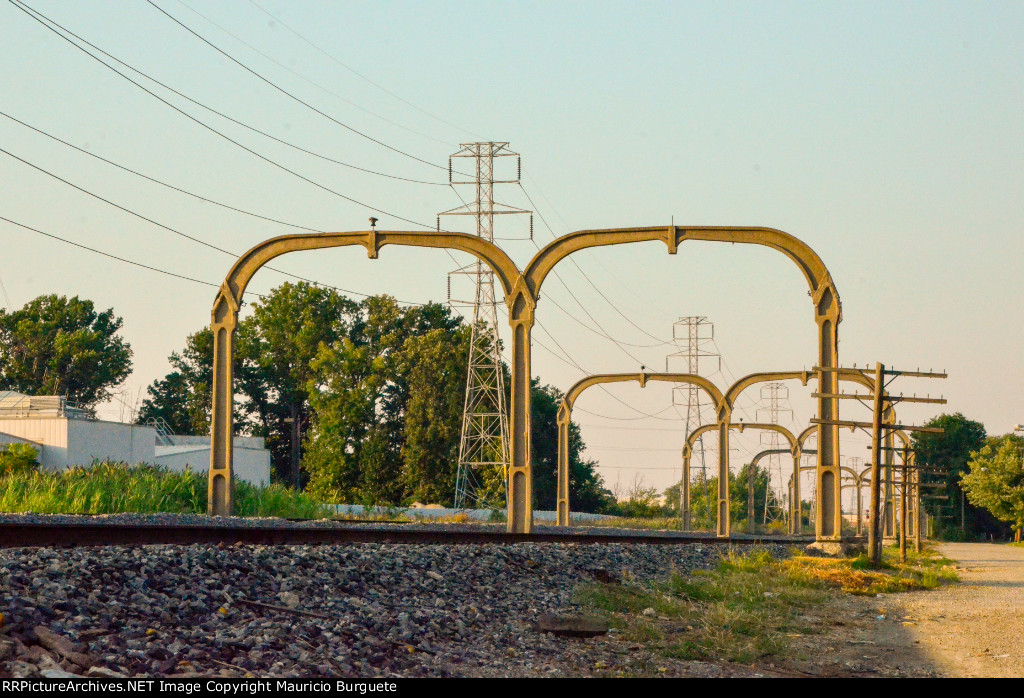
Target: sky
[[887, 136]]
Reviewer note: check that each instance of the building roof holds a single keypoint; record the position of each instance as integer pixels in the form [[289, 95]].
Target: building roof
[[15, 404]]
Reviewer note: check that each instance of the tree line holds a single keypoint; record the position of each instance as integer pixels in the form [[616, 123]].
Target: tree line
[[361, 401], [358, 401]]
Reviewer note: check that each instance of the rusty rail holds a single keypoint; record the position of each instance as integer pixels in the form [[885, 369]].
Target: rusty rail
[[17, 535]]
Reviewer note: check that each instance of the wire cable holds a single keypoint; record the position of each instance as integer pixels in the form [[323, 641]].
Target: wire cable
[[115, 257], [285, 92], [305, 79], [358, 74], [42, 19], [18, 4], [178, 232]]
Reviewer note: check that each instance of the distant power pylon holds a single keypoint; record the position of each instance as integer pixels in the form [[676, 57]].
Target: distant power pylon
[[773, 395], [484, 444], [694, 336]]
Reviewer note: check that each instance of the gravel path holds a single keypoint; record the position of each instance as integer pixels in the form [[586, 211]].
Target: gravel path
[[387, 610], [969, 629]]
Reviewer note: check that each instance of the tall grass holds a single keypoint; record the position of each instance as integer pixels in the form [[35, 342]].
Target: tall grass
[[111, 488]]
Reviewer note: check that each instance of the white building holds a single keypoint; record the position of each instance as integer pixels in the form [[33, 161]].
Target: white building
[[65, 436]]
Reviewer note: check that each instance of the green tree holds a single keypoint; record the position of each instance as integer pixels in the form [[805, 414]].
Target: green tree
[[587, 491], [182, 399], [949, 453], [277, 345], [436, 371], [995, 480], [274, 350], [360, 397], [704, 498], [60, 346]]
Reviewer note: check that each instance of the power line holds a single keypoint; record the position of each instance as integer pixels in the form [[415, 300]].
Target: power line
[[585, 372], [115, 257], [285, 92], [201, 104], [178, 232], [157, 181], [625, 419], [645, 301], [358, 74], [660, 342], [314, 83], [18, 4]]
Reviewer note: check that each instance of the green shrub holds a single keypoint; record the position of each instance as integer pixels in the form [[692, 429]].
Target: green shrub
[[17, 459]]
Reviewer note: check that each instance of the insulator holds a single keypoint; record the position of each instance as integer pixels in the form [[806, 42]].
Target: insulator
[[531, 226], [449, 170], [449, 288], [519, 168], [439, 224]]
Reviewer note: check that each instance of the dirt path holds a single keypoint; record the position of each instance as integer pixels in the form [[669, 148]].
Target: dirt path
[[974, 628]]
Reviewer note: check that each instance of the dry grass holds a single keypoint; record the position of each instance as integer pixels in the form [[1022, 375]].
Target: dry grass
[[925, 570], [750, 606], [741, 611]]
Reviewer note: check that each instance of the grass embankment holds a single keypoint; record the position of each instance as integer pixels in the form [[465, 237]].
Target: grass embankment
[[749, 606], [673, 523], [113, 488]]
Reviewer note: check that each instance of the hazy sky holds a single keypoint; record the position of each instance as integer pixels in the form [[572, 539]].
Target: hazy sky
[[888, 136]]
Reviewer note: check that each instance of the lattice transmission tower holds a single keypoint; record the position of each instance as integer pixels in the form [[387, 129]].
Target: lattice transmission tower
[[694, 336], [773, 397], [484, 444]]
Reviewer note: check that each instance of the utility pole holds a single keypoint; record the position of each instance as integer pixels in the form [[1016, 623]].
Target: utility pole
[[880, 398], [693, 335], [484, 443]]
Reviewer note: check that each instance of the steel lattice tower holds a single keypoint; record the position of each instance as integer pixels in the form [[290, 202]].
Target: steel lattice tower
[[484, 444], [772, 397], [693, 335]]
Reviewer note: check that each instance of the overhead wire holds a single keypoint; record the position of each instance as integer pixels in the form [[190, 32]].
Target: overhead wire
[[116, 257], [285, 92], [611, 274], [46, 22], [43, 19], [659, 340], [570, 362], [357, 73], [175, 231], [308, 80], [206, 126]]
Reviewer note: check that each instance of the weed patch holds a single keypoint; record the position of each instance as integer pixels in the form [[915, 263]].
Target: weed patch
[[113, 488]]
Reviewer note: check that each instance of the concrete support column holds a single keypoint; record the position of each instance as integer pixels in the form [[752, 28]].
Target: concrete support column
[[684, 494], [563, 464], [860, 505], [724, 415], [520, 476], [796, 514], [750, 499], [220, 487], [828, 516]]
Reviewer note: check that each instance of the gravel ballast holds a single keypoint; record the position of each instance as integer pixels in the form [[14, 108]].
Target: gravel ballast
[[381, 610]]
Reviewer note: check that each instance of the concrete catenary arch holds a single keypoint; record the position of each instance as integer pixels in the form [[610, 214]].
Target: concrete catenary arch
[[795, 523], [827, 315], [229, 300], [569, 399], [522, 291], [795, 450], [863, 478]]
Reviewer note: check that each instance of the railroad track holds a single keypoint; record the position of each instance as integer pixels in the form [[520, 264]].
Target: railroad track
[[18, 535]]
